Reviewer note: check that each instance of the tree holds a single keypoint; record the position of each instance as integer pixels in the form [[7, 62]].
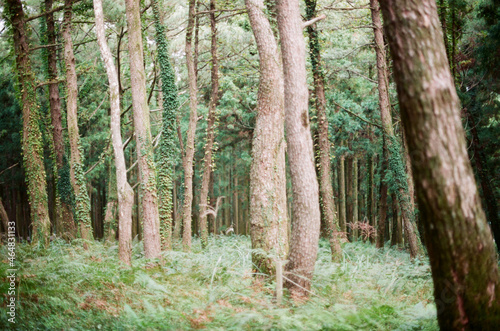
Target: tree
[[31, 141], [145, 155], [82, 201], [211, 118], [392, 147], [167, 140], [124, 190], [193, 118], [268, 218], [65, 225], [306, 213], [459, 241], [325, 172]]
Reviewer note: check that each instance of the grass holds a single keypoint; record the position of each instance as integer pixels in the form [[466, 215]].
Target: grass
[[67, 288]]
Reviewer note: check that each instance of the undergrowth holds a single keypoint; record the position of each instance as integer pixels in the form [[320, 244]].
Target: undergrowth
[[65, 287]]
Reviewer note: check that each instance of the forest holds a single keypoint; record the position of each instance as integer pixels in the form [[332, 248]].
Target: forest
[[250, 164]]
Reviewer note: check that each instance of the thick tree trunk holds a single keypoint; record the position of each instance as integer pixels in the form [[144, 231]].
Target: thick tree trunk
[[460, 245], [393, 154], [209, 144], [4, 217], [193, 117], [306, 213], [167, 139], [147, 175], [32, 149], [328, 211], [78, 182], [268, 217], [124, 190]]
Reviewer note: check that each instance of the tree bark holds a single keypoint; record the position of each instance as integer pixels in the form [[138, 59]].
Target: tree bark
[[306, 212], [193, 117], [268, 218], [383, 205], [32, 148], [355, 200], [4, 217], [124, 190], [343, 218], [78, 182], [371, 193], [209, 144], [147, 175], [394, 161], [325, 171], [460, 245]]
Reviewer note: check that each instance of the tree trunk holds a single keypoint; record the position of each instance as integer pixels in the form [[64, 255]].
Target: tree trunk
[[78, 182], [209, 144], [383, 204], [343, 218], [355, 201], [460, 245], [268, 217], [193, 117], [4, 217], [124, 190], [306, 212], [394, 161], [325, 171], [371, 194], [349, 197], [167, 139], [66, 227], [147, 175], [32, 149]]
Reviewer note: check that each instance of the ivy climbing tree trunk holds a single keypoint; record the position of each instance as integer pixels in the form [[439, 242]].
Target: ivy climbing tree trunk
[[144, 145], [268, 218], [325, 170], [306, 212], [193, 118], [391, 143], [82, 201], [66, 227], [461, 249], [32, 137], [167, 139], [124, 190], [211, 119]]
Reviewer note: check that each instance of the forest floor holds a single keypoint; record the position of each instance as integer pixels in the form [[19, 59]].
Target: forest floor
[[67, 288]]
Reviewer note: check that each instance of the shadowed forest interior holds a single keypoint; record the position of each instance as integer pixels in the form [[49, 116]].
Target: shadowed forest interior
[[250, 164]]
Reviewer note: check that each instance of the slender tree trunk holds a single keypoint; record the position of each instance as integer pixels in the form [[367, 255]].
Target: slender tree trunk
[[461, 249], [268, 217], [355, 200], [343, 218], [147, 175], [32, 149], [193, 117], [209, 144], [370, 210], [325, 171], [82, 200], [167, 139], [383, 205], [393, 154], [65, 226], [124, 190], [111, 209], [306, 212], [349, 197]]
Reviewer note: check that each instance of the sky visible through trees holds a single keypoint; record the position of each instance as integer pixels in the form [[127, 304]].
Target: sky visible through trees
[[250, 164]]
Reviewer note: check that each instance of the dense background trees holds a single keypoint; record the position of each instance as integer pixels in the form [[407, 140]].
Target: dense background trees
[[202, 92]]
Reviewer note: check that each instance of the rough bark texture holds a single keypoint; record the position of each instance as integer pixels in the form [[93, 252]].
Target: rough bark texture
[[65, 226], [209, 143], [147, 175], [355, 201], [31, 141], [371, 193], [306, 212], [382, 220], [193, 117], [124, 190], [328, 211], [268, 218], [82, 200], [461, 249], [4, 217], [393, 155]]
